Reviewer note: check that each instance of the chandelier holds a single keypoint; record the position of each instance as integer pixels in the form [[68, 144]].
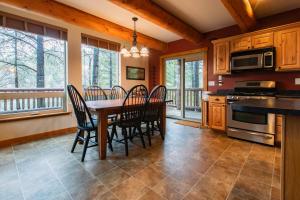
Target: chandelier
[[134, 51]]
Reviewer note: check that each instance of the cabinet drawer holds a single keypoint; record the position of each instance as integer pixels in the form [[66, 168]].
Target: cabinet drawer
[[217, 99]]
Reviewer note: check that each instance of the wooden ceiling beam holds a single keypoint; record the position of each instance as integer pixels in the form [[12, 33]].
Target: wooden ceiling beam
[[242, 13], [152, 12], [79, 18]]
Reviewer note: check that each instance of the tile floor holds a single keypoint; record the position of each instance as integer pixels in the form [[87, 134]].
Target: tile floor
[[190, 164]]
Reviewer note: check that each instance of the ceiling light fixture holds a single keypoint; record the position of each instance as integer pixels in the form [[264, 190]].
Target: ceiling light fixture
[[134, 51]]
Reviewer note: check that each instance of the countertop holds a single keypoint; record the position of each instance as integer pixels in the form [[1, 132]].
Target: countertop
[[277, 106]]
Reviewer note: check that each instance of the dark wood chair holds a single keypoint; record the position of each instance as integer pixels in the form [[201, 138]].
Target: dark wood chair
[[94, 93], [132, 113], [117, 92], [85, 123], [153, 108]]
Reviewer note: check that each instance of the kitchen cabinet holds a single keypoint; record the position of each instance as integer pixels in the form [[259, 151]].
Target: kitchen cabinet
[[278, 129], [262, 40], [217, 112], [240, 44], [221, 58], [288, 49]]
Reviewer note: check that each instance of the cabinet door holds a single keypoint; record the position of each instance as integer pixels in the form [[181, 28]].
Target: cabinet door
[[288, 49], [221, 58], [217, 116], [262, 40], [240, 44]]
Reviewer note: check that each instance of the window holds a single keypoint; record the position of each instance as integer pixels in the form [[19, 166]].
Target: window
[[32, 69], [100, 62]]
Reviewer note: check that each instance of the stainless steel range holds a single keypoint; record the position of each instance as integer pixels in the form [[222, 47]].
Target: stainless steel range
[[251, 125]]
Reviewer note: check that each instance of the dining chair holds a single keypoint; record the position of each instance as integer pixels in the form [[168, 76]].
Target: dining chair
[[117, 92], [94, 93], [153, 109], [132, 112], [85, 123]]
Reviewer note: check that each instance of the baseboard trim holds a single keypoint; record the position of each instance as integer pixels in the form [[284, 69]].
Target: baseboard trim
[[39, 136]]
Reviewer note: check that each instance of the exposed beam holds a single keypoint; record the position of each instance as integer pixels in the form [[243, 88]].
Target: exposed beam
[[242, 13], [156, 14], [77, 17]]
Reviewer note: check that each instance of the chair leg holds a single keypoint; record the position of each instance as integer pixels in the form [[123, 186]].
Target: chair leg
[[148, 133], [109, 140], [152, 127], [114, 132], [75, 141], [141, 135], [86, 143], [125, 140]]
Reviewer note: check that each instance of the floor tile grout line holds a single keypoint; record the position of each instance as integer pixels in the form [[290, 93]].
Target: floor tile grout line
[[240, 171], [19, 178], [207, 170], [273, 172], [52, 171]]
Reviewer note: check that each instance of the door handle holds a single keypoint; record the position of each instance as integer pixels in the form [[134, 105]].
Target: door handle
[[252, 133]]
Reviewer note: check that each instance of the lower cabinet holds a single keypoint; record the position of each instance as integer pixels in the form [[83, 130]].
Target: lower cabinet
[[217, 112]]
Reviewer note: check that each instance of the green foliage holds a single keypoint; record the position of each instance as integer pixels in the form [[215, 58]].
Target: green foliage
[[18, 60], [108, 71], [193, 74]]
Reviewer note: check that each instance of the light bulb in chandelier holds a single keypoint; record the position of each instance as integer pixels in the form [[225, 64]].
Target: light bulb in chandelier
[[135, 55], [124, 51], [134, 49], [144, 52]]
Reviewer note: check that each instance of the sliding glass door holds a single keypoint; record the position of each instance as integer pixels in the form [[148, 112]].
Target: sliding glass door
[[173, 80], [184, 81], [193, 89]]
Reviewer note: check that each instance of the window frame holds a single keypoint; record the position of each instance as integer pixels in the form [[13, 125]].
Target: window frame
[[46, 93]]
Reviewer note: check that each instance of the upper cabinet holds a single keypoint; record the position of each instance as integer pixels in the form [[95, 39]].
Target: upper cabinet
[[262, 40], [240, 44], [221, 58], [288, 49], [286, 40]]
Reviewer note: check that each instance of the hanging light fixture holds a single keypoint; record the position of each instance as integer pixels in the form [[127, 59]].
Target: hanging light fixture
[[134, 51]]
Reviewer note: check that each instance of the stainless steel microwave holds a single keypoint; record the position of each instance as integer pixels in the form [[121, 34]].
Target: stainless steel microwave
[[253, 59]]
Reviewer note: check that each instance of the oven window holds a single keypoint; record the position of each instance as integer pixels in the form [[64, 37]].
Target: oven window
[[244, 62], [253, 118]]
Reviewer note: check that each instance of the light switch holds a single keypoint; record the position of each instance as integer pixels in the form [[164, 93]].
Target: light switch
[[297, 81], [211, 83]]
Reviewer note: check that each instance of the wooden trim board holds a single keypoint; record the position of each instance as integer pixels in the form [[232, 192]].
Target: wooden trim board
[[39, 136]]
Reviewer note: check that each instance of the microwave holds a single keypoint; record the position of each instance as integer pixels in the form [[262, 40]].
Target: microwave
[[253, 59]]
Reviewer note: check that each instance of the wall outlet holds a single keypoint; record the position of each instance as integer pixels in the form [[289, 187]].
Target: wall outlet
[[211, 83], [297, 81]]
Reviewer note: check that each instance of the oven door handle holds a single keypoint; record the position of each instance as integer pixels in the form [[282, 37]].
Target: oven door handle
[[264, 135]]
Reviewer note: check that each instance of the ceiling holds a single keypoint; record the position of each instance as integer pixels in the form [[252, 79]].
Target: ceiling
[[204, 15], [113, 13]]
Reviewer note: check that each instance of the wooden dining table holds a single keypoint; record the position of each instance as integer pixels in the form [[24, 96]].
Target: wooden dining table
[[104, 108]]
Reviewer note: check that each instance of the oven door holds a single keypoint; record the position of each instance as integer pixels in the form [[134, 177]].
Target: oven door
[[251, 61], [264, 123]]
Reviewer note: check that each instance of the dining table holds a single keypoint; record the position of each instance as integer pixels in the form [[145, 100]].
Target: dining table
[[104, 108]]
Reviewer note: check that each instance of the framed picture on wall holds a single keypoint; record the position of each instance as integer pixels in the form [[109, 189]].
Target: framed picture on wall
[[135, 73]]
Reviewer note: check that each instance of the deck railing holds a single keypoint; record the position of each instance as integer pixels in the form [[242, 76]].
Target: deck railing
[[193, 98], [24, 100]]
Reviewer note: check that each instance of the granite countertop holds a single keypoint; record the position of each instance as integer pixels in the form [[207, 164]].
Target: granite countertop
[[277, 106]]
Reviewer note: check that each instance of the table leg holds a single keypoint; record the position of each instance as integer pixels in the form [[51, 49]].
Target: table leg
[[102, 134], [163, 120]]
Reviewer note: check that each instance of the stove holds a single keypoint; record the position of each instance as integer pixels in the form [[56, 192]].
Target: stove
[[250, 125]]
